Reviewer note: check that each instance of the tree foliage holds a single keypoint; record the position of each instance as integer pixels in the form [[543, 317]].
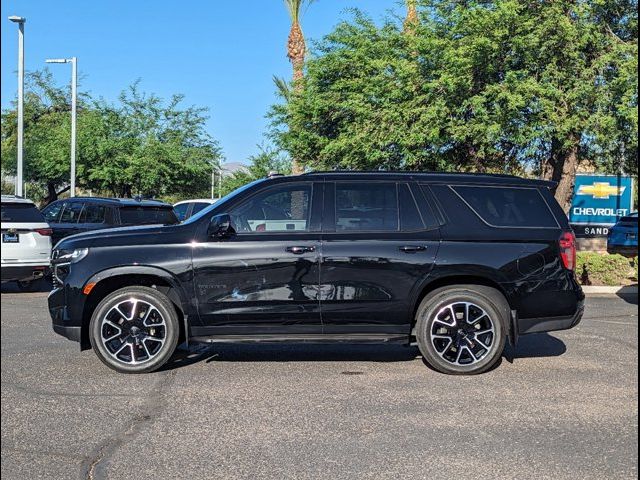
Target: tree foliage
[[139, 145], [266, 161], [516, 86]]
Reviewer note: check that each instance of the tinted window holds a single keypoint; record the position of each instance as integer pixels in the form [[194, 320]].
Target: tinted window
[[21, 213], [410, 219], [364, 207], [198, 207], [140, 215], [279, 209], [93, 214], [52, 212], [181, 210], [71, 212], [508, 207]]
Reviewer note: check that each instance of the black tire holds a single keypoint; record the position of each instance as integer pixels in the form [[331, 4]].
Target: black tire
[[145, 352], [448, 348]]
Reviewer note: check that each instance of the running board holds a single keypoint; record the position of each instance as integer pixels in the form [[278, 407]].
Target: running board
[[319, 338]]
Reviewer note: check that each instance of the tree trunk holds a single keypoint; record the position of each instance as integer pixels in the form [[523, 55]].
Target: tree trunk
[[52, 193], [562, 168], [296, 50], [411, 20]]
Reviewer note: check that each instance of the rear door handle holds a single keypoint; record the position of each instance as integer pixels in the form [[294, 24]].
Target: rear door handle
[[300, 250], [413, 248]]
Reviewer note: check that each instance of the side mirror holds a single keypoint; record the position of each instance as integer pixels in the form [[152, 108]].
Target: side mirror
[[221, 227]]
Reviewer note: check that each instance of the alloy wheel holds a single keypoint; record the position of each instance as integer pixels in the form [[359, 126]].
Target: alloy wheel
[[133, 331], [462, 333]]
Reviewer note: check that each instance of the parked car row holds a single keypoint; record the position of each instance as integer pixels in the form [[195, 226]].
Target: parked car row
[[623, 236], [28, 234], [26, 241]]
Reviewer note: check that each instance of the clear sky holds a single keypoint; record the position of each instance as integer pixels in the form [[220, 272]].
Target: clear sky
[[220, 54]]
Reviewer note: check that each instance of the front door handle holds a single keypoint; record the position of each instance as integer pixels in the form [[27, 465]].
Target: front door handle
[[300, 250], [413, 248]]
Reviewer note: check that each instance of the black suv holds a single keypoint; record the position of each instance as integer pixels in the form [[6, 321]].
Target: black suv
[[81, 214], [455, 262]]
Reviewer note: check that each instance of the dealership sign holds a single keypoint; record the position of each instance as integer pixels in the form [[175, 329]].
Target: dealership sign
[[598, 203]]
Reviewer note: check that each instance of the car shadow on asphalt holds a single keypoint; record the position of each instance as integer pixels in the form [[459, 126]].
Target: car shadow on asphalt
[[535, 345], [530, 346], [43, 286], [628, 295]]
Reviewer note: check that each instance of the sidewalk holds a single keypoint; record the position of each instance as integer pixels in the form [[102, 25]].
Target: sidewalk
[[619, 290]]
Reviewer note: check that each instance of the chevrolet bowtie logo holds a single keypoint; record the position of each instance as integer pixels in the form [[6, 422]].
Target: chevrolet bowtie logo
[[602, 190]]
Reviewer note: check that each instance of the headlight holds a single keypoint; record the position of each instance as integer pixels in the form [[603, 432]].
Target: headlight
[[70, 256]]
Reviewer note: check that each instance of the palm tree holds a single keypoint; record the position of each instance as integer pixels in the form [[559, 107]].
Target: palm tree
[[412, 16], [296, 46], [296, 51], [284, 89]]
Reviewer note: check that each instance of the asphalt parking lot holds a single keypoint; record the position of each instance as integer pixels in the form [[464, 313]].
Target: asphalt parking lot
[[561, 405]]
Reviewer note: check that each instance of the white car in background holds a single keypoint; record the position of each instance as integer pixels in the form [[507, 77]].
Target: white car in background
[[187, 208], [26, 242]]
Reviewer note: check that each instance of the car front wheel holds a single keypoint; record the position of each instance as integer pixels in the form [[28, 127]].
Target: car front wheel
[[462, 329], [134, 330]]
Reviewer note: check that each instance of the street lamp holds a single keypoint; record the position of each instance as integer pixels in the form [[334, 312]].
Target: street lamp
[[74, 101], [19, 175]]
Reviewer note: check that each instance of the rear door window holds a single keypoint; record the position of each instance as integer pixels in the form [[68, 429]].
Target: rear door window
[[21, 213], [508, 206], [93, 214], [367, 207], [147, 215], [71, 212], [410, 218]]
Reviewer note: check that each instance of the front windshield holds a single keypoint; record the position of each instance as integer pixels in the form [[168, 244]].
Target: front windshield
[[220, 204]]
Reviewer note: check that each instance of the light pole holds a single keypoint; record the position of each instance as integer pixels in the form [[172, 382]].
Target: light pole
[[74, 106], [20, 165]]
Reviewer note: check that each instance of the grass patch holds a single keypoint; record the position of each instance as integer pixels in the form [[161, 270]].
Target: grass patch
[[604, 269]]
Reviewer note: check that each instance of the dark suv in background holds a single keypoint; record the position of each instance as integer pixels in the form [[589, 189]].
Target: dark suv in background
[[81, 214], [458, 263]]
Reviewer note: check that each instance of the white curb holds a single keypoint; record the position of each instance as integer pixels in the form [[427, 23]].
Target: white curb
[[624, 290]]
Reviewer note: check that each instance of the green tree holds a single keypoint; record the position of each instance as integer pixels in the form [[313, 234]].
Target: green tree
[[138, 145], [509, 86], [266, 161], [144, 145]]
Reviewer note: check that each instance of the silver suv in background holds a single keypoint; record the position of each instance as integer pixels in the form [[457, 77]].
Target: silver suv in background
[[26, 242], [188, 208]]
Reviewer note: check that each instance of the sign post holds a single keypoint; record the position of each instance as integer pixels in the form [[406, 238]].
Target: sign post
[[598, 203]]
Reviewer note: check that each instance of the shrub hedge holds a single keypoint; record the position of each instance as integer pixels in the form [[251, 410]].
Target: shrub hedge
[[604, 269]]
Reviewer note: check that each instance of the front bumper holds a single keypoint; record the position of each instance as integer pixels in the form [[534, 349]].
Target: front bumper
[[550, 324], [66, 315]]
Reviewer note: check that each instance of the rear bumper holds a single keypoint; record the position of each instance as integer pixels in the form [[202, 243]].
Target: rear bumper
[[550, 324], [23, 272]]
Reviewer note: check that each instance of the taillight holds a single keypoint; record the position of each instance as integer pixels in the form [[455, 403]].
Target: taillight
[[567, 245], [45, 232]]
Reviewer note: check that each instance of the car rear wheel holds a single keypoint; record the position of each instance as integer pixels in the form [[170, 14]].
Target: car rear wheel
[[134, 330], [462, 329]]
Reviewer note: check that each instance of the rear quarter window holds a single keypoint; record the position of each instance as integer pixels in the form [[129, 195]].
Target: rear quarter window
[[21, 213], [148, 215], [508, 206]]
